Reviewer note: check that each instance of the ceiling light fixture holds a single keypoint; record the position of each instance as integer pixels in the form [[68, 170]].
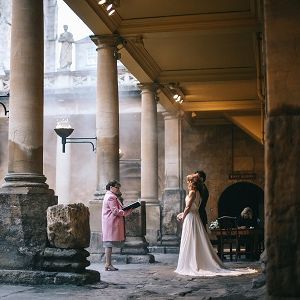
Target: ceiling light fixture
[[177, 93], [110, 5], [111, 12]]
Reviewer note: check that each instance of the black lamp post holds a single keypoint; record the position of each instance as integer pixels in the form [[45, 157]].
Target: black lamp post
[[65, 132]]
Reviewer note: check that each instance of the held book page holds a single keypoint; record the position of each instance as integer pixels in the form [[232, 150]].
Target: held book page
[[132, 205]]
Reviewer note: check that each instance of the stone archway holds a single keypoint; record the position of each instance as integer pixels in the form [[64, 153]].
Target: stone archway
[[240, 195]]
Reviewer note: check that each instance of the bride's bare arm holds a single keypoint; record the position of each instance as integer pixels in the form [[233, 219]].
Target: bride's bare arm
[[191, 199]]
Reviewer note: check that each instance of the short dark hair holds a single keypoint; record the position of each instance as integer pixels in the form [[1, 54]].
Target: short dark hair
[[201, 174], [112, 183]]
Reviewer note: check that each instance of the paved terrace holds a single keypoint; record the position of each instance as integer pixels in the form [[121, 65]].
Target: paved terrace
[[146, 281]]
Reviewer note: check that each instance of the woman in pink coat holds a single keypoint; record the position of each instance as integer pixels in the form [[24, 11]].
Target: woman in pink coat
[[113, 228]]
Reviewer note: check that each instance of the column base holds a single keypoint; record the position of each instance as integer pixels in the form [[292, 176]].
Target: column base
[[25, 180], [99, 196], [135, 245], [65, 260], [170, 240], [24, 226], [164, 249]]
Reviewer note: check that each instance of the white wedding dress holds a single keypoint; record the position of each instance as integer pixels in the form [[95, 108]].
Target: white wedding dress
[[197, 256]]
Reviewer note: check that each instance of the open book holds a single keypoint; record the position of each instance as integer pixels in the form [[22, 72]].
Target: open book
[[132, 205]]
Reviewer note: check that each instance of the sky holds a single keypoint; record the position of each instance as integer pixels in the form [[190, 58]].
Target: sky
[[67, 17]]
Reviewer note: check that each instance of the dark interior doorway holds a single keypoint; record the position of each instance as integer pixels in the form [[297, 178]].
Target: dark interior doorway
[[240, 195]]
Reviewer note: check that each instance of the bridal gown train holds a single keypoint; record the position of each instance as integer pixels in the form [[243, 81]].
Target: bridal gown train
[[197, 256]]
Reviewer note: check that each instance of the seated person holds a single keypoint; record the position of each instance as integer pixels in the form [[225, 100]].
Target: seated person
[[246, 219]]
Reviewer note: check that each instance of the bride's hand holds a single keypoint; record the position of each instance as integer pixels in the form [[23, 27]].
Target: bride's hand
[[180, 216]]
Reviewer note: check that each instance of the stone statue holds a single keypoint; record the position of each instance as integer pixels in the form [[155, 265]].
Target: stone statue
[[66, 40]]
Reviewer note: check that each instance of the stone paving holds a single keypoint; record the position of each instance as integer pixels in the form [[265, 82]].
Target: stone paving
[[146, 281]]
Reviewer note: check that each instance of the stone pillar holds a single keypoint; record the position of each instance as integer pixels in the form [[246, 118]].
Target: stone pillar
[[24, 197], [50, 12], [282, 207], [173, 194], [107, 112], [25, 159], [107, 128], [149, 161], [63, 173]]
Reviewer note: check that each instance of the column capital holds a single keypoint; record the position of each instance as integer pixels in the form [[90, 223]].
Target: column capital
[[151, 87], [106, 40], [171, 115]]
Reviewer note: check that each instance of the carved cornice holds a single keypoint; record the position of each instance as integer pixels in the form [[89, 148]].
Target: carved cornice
[[216, 74], [201, 22], [229, 105], [134, 45]]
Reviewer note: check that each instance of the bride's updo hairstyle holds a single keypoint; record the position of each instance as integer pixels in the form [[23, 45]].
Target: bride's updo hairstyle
[[192, 181]]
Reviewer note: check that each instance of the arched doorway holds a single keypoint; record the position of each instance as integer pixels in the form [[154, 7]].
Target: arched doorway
[[240, 195]]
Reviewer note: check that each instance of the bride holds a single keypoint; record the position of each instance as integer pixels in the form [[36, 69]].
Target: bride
[[197, 256]]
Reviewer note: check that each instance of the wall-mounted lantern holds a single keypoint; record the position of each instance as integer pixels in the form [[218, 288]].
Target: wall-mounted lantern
[[63, 129], [65, 132], [3, 105]]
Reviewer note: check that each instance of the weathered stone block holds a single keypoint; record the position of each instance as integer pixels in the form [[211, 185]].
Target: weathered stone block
[[23, 226], [68, 226], [42, 277]]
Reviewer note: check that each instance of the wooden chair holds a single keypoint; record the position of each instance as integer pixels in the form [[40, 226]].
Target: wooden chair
[[228, 237]]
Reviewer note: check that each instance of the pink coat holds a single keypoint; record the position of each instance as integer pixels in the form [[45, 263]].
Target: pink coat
[[112, 218]]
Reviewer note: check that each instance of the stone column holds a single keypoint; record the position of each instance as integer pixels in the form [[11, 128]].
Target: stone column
[[173, 194], [107, 128], [149, 161], [107, 112], [282, 207], [63, 173], [25, 159], [24, 197]]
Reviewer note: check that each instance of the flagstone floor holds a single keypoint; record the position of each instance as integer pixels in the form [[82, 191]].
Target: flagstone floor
[[146, 281]]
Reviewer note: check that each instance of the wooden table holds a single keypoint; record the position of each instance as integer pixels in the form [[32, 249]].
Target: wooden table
[[252, 237]]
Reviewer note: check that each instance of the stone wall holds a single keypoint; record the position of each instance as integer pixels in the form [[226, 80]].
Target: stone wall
[[210, 148]]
